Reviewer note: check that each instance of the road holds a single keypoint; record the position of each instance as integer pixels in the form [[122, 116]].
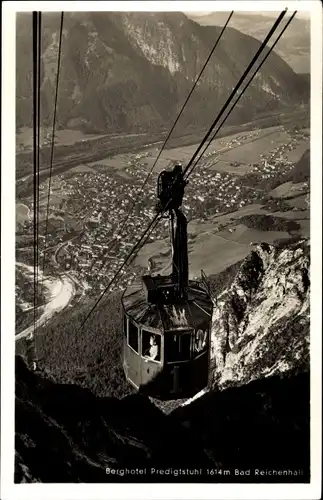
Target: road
[[61, 290]]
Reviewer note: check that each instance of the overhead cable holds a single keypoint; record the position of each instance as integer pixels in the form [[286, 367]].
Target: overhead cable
[[136, 248], [53, 132]]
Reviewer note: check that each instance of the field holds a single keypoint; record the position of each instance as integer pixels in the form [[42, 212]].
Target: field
[[233, 148], [22, 213], [288, 189], [213, 253], [73, 148], [117, 163], [186, 152], [223, 240], [295, 155], [296, 195], [65, 137], [80, 169], [250, 151], [55, 199], [230, 149], [225, 168], [299, 202]]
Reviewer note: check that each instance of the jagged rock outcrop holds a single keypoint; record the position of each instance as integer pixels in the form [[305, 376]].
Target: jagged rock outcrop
[[260, 325], [260, 349]]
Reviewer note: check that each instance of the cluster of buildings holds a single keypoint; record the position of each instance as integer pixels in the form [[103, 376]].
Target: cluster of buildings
[[277, 159], [112, 220], [240, 139]]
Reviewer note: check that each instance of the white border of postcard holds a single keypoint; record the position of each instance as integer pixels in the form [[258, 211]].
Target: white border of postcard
[[147, 490]]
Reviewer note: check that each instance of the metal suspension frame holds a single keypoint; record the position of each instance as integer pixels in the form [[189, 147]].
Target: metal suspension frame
[[171, 232]]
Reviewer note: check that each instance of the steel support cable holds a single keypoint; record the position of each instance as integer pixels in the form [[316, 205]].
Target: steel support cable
[[38, 150], [157, 217], [270, 49], [135, 248], [53, 132], [35, 33], [236, 88], [234, 104], [36, 29], [167, 137]]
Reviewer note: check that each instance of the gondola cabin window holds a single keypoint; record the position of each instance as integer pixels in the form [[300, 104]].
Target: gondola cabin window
[[151, 345], [178, 346], [125, 326], [133, 336], [200, 344]]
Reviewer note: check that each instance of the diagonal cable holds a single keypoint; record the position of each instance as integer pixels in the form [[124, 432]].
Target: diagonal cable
[[38, 154], [157, 217], [236, 88], [53, 132], [166, 139], [244, 89], [35, 35]]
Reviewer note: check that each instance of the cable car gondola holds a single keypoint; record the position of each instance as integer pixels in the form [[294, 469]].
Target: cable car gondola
[[167, 319]]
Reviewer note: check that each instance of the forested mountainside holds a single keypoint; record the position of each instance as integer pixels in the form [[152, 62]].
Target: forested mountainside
[[132, 71], [255, 414], [260, 326], [293, 47]]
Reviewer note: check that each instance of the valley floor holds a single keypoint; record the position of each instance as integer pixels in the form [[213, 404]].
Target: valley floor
[[89, 202]]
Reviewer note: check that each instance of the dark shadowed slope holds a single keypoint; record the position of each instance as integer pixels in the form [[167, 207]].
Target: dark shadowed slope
[[255, 417], [263, 425], [65, 434]]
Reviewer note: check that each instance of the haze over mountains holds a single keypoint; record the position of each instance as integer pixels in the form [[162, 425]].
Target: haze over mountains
[[132, 72], [293, 47]]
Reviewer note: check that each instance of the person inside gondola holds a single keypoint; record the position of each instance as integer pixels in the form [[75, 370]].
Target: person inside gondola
[[200, 340], [152, 351]]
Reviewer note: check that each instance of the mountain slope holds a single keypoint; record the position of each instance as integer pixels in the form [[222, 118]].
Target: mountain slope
[[261, 322], [81, 435], [293, 47], [255, 415], [132, 71], [260, 327], [65, 434]]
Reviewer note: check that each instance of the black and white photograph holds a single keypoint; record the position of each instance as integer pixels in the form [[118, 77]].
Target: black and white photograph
[[160, 315]]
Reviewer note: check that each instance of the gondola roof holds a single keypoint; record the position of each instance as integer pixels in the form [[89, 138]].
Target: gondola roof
[[191, 314]]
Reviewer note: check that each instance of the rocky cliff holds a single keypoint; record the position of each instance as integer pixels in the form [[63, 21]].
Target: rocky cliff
[[255, 415], [132, 71], [261, 322]]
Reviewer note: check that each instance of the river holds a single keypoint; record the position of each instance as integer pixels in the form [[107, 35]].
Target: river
[[60, 293]]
